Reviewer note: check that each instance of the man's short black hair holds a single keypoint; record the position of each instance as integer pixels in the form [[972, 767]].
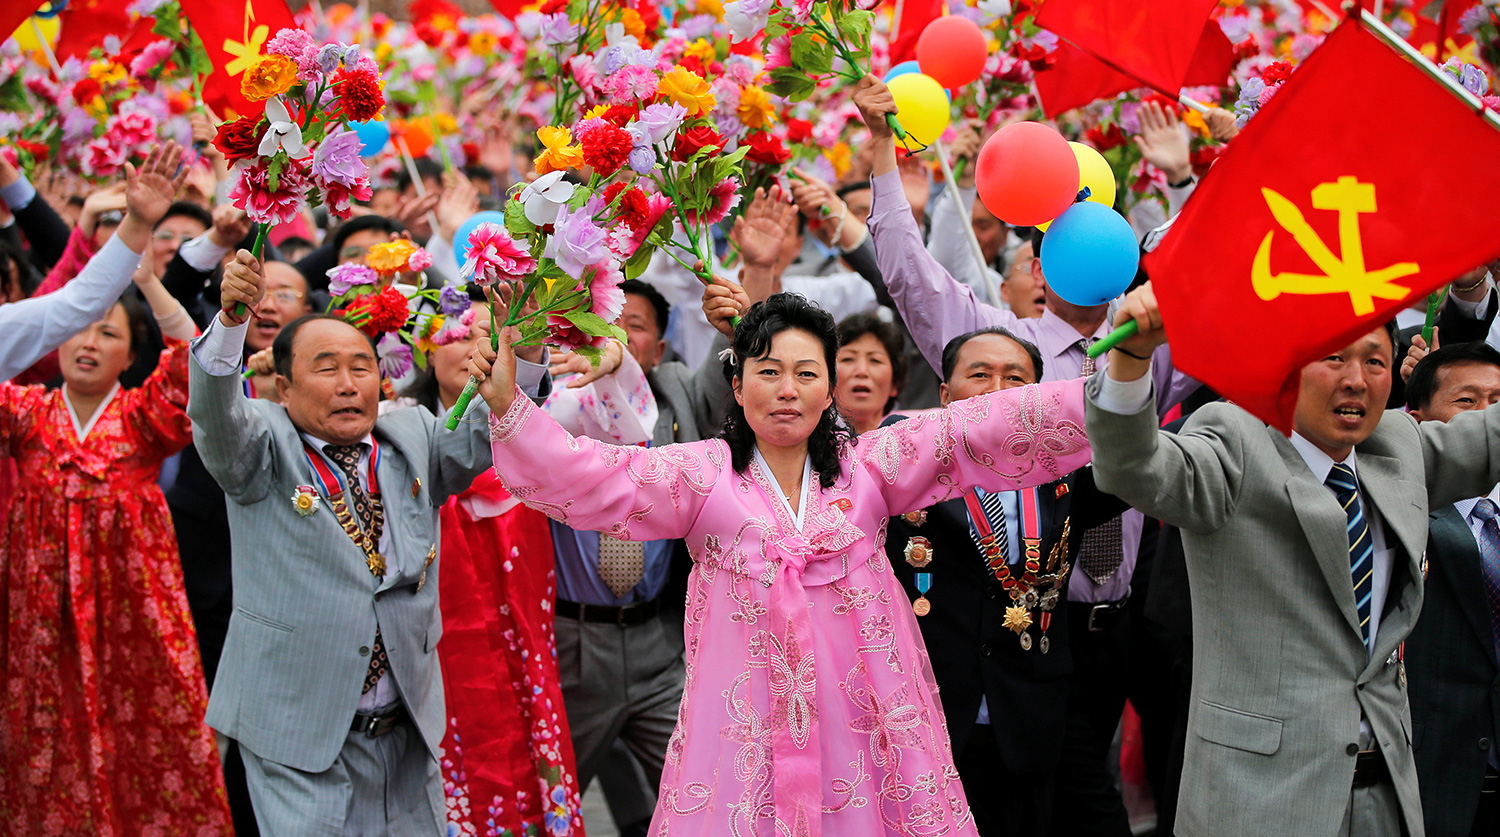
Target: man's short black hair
[[658, 302], [950, 351], [1424, 378], [364, 223], [427, 168], [188, 209], [281, 347]]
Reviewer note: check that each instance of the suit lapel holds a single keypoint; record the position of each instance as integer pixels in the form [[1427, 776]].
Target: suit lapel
[[1457, 557], [1405, 525], [1324, 525]]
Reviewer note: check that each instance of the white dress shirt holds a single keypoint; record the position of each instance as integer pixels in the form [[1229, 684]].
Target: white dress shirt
[[1466, 508]]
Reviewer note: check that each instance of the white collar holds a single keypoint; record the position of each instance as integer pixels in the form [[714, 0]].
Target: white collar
[[800, 512], [1466, 507], [80, 429], [1317, 461]]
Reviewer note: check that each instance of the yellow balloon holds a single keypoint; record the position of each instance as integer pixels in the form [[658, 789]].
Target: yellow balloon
[[925, 109], [25, 34], [1095, 174]]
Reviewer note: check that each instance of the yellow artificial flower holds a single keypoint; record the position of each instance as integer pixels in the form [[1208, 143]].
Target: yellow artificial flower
[[561, 153], [390, 257], [631, 20], [703, 50], [596, 111], [841, 158], [688, 89], [424, 340], [383, 53], [755, 110], [270, 75], [711, 7], [483, 43], [445, 124], [1194, 120], [107, 73]]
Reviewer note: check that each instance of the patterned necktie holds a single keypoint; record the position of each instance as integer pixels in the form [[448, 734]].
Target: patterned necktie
[[1489, 549], [1101, 552], [990, 502], [621, 564], [347, 458], [1345, 488]]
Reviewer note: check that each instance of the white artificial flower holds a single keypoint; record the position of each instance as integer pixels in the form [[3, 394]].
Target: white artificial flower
[[284, 134], [545, 196]]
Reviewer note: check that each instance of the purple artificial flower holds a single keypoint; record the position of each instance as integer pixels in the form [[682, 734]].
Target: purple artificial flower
[[661, 120], [352, 55], [558, 30], [350, 275], [329, 57], [395, 356], [1474, 80], [642, 160], [336, 159], [576, 242], [453, 301]]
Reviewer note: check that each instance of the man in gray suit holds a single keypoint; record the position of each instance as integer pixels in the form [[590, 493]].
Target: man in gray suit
[[328, 680], [1304, 558]]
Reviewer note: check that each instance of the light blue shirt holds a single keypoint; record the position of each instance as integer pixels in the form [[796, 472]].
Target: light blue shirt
[[577, 554]]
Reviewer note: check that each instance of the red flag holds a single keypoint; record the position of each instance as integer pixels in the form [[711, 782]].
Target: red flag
[[86, 23], [1079, 78], [1340, 203], [1151, 40], [14, 13], [913, 18], [233, 37]]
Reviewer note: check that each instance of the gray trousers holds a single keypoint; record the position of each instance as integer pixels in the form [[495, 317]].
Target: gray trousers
[[1374, 811], [388, 785], [620, 684]]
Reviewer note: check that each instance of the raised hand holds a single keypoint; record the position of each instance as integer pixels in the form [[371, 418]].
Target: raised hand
[[1164, 142], [1223, 125], [109, 199], [874, 101], [966, 147], [413, 214], [1131, 358], [231, 226], [495, 370], [244, 285], [722, 302], [1419, 349], [583, 370], [150, 190], [761, 231], [460, 200]]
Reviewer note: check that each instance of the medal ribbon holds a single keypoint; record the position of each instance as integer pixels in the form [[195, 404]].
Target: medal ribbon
[[332, 485], [1031, 518]]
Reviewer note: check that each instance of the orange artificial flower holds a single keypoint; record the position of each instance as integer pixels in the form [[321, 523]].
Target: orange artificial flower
[[270, 75], [688, 89], [755, 109], [390, 256], [561, 153]]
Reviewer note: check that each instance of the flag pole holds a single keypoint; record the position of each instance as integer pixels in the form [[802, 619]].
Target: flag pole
[[416, 178], [964, 221], [1430, 68], [1189, 102], [46, 47]]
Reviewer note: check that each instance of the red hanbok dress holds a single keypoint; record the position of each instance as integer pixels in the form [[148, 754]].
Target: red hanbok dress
[[101, 726], [507, 756]]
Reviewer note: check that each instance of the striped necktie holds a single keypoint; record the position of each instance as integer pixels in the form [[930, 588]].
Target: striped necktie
[[1345, 487]]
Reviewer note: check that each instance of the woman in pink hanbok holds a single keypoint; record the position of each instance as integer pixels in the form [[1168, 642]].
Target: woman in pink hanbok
[[810, 707]]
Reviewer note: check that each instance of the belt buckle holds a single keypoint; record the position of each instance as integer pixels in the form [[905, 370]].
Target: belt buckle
[[1106, 607], [620, 616]]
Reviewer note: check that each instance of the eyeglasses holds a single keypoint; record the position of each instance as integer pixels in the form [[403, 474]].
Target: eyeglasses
[[284, 296], [349, 254], [168, 235]]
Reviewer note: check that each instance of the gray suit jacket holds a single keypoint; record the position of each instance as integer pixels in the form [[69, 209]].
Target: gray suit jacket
[[305, 605], [1280, 672], [690, 402]]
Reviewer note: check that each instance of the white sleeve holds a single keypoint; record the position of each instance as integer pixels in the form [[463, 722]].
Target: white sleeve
[[840, 294], [33, 327], [617, 408], [202, 254], [1124, 397], [529, 376], [221, 349]]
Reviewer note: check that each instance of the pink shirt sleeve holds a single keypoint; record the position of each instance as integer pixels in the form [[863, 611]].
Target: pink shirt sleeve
[[630, 492], [1005, 440]]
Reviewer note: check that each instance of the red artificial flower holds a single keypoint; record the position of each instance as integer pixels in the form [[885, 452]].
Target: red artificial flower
[[1166, 104], [426, 10], [621, 114], [1276, 72], [552, 7], [691, 140], [798, 131], [240, 139], [605, 147], [359, 92], [85, 91], [38, 152], [693, 65], [386, 311], [1103, 139], [650, 16], [471, 151], [427, 34], [634, 210], [767, 149], [42, 89]]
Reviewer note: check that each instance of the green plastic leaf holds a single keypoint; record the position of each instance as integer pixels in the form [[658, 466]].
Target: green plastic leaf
[[168, 22], [639, 261], [856, 25], [589, 323], [791, 83], [810, 56], [516, 222]]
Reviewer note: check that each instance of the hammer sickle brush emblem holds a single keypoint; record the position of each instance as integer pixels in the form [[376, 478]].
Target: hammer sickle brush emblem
[[1343, 274]]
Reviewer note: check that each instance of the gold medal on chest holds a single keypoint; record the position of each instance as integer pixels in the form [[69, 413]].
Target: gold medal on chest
[[918, 552], [1017, 619]]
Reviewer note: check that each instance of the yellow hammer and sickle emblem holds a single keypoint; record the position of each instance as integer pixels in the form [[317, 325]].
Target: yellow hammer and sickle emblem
[[245, 52], [1342, 274]]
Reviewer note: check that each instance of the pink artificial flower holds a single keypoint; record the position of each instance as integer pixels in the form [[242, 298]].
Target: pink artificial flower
[[153, 56], [725, 195], [132, 129], [802, 9], [455, 329], [779, 52], [103, 158], [252, 192], [42, 88], [419, 259], [605, 297], [657, 205], [564, 335], [631, 83], [494, 255], [9, 153], [340, 198]]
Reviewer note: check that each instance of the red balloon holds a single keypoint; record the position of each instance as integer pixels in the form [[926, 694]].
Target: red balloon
[[952, 50], [1027, 174]]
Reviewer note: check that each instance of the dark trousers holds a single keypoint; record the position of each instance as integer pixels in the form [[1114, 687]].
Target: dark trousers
[[1487, 817], [1087, 802], [1159, 686], [1004, 804]]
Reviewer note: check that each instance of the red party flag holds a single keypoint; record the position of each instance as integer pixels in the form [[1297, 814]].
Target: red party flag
[[233, 41], [1078, 78], [1154, 41], [14, 13], [1342, 201], [86, 23], [913, 16]]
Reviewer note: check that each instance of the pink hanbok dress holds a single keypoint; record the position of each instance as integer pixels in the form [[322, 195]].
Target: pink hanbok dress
[[810, 707]]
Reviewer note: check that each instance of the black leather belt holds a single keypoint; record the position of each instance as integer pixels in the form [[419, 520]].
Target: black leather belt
[[636, 614], [1370, 769], [1103, 615], [376, 724], [1491, 781]]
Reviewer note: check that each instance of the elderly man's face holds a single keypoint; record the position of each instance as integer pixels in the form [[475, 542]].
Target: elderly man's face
[[335, 382]]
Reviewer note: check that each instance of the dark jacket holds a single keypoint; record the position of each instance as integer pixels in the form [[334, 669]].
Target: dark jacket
[[1453, 678]]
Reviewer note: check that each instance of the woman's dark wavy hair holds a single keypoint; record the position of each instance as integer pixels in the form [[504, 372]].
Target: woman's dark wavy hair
[[752, 339]]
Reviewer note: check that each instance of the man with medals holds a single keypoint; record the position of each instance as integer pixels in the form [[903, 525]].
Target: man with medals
[[987, 572], [329, 676]]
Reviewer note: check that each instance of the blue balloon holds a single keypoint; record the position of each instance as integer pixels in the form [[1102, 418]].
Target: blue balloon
[[461, 238], [372, 136], [1089, 254], [900, 70]]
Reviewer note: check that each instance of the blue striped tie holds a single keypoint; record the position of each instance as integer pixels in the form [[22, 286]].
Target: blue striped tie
[[1361, 542]]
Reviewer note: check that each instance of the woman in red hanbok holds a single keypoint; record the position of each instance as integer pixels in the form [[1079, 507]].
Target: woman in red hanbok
[[101, 726]]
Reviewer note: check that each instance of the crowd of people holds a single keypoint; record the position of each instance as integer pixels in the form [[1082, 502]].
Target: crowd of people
[[834, 540]]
